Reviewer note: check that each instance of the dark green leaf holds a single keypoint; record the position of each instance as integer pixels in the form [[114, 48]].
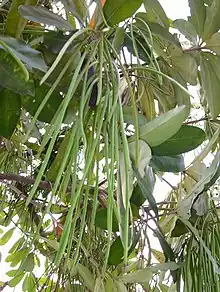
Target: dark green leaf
[[210, 74], [28, 264], [137, 198], [116, 11], [168, 163], [212, 22], [141, 45], [186, 28], [10, 104], [101, 220], [25, 53], [155, 13], [116, 253], [179, 229], [43, 15], [185, 140], [12, 77], [31, 104], [147, 186], [198, 15], [7, 235]]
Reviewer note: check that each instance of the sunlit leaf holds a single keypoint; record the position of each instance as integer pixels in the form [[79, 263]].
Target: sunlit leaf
[[17, 279], [163, 127], [28, 264], [6, 236], [116, 11]]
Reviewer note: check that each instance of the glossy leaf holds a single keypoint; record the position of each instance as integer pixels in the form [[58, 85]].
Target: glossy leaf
[[101, 220], [10, 104], [43, 15], [211, 81], [6, 236], [163, 127], [185, 140], [31, 104], [25, 53], [12, 77], [168, 163], [116, 11], [214, 43], [198, 15], [186, 28], [155, 12], [212, 23]]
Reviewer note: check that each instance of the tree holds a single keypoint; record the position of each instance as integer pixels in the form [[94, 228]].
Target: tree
[[94, 107]]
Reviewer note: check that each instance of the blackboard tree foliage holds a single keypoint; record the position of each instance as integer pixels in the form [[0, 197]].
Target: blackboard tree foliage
[[94, 106]]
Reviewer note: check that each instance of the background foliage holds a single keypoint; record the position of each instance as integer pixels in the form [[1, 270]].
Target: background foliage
[[95, 107]]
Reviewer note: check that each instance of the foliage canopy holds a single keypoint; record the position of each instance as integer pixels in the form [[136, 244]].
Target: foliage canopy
[[95, 107]]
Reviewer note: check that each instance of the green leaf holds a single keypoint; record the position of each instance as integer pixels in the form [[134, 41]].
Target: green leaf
[[214, 43], [45, 16], [168, 163], [144, 155], [155, 13], [185, 140], [137, 197], [25, 284], [179, 229], [17, 256], [212, 22], [187, 29], [78, 8], [6, 237], [25, 53], [87, 276], [159, 256], [31, 104], [139, 276], [187, 67], [172, 266], [12, 77], [12, 273], [198, 15], [163, 127], [118, 38], [210, 74], [17, 279], [17, 245], [116, 252], [116, 11], [146, 185], [28, 264], [101, 220], [10, 104]]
